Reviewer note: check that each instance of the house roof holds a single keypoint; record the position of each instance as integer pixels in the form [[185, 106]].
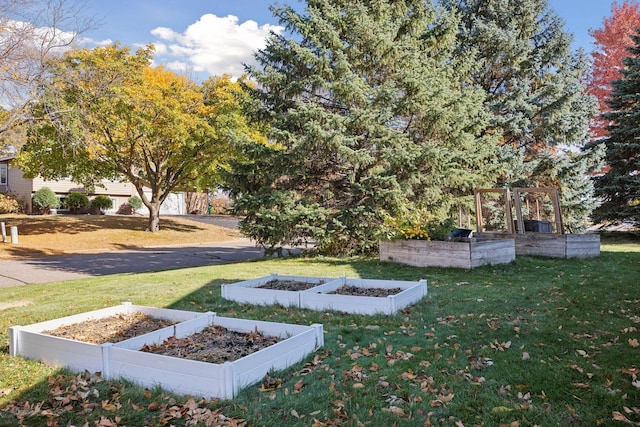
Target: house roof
[[7, 158]]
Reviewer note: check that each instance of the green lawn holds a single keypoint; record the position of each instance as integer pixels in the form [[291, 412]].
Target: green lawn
[[536, 342]]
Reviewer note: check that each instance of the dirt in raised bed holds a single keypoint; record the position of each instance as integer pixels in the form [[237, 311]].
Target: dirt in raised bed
[[366, 292], [289, 285], [214, 344], [113, 329]]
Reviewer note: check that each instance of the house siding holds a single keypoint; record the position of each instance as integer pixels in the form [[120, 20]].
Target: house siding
[[20, 187], [119, 192]]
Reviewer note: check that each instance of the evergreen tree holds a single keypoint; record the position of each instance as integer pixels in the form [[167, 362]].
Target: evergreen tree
[[619, 187], [535, 92], [368, 111]]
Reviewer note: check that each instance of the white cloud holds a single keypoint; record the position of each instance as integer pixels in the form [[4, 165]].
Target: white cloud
[[212, 45]]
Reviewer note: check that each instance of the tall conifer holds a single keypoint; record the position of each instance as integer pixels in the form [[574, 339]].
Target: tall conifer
[[619, 187], [368, 111], [535, 92]]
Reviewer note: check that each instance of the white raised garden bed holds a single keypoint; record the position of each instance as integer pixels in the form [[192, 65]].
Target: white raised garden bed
[[321, 298], [249, 291], [123, 360], [318, 297]]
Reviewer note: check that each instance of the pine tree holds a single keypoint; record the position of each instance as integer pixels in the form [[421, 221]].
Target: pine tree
[[368, 111], [619, 187], [535, 92]]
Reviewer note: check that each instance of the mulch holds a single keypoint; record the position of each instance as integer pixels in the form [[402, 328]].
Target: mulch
[[214, 344]]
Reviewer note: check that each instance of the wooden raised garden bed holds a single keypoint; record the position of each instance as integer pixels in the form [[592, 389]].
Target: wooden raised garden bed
[[552, 245], [274, 346], [462, 254]]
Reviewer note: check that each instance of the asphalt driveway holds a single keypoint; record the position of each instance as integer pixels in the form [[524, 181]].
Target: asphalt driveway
[[76, 266]]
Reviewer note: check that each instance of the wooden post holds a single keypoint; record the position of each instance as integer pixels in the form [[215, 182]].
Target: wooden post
[[553, 194], [3, 228], [478, 211], [14, 234]]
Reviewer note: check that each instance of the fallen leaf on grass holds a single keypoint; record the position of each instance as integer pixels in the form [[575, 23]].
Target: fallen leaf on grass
[[297, 388], [270, 383], [617, 416], [633, 342], [394, 410]]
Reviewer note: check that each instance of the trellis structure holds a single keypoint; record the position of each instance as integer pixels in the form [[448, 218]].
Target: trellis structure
[[513, 199]]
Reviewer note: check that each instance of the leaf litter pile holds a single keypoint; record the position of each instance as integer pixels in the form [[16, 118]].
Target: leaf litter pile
[[288, 285], [294, 285], [110, 329], [214, 344]]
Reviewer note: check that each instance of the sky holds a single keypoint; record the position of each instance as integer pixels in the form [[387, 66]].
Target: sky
[[215, 37]]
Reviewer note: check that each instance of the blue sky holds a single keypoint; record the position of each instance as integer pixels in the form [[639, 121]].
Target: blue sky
[[217, 36]]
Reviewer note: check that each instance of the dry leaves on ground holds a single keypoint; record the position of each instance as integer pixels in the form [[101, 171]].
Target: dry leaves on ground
[[110, 329]]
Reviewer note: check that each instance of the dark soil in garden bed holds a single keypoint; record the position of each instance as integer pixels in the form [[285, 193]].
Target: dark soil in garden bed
[[214, 344], [289, 285], [110, 329], [366, 292]]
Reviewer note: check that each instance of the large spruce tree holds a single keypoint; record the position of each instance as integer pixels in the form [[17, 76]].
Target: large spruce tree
[[368, 111], [535, 91], [619, 187]]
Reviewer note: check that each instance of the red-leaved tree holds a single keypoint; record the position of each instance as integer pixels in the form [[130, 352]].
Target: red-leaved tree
[[611, 42]]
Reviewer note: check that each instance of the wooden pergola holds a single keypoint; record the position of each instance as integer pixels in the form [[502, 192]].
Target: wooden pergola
[[512, 198]]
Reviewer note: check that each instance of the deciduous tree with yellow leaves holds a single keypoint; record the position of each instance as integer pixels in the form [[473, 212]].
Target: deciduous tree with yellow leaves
[[106, 113]]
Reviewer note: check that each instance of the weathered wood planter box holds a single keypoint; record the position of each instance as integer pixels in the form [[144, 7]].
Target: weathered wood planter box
[[320, 298], [553, 245], [249, 291], [316, 298], [467, 254], [123, 360]]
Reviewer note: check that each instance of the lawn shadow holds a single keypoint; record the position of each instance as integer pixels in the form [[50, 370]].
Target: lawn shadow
[[75, 224], [147, 259]]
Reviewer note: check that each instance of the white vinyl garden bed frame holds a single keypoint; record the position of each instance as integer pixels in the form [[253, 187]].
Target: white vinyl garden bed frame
[[183, 376], [318, 297], [249, 291]]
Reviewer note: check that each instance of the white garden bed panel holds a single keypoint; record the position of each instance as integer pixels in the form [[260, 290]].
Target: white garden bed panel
[[123, 360], [319, 297], [213, 380], [249, 291], [30, 342]]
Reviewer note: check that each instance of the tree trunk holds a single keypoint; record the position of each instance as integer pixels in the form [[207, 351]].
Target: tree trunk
[[154, 217]]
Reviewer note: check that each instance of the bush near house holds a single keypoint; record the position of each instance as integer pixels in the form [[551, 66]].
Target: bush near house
[[44, 200], [8, 204], [135, 202], [101, 203], [76, 201]]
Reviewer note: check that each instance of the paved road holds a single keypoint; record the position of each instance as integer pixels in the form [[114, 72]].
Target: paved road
[[75, 266]]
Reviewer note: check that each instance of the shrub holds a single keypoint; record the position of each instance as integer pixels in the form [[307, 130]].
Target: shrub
[[76, 201], [44, 200], [102, 202], [135, 202], [9, 204]]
